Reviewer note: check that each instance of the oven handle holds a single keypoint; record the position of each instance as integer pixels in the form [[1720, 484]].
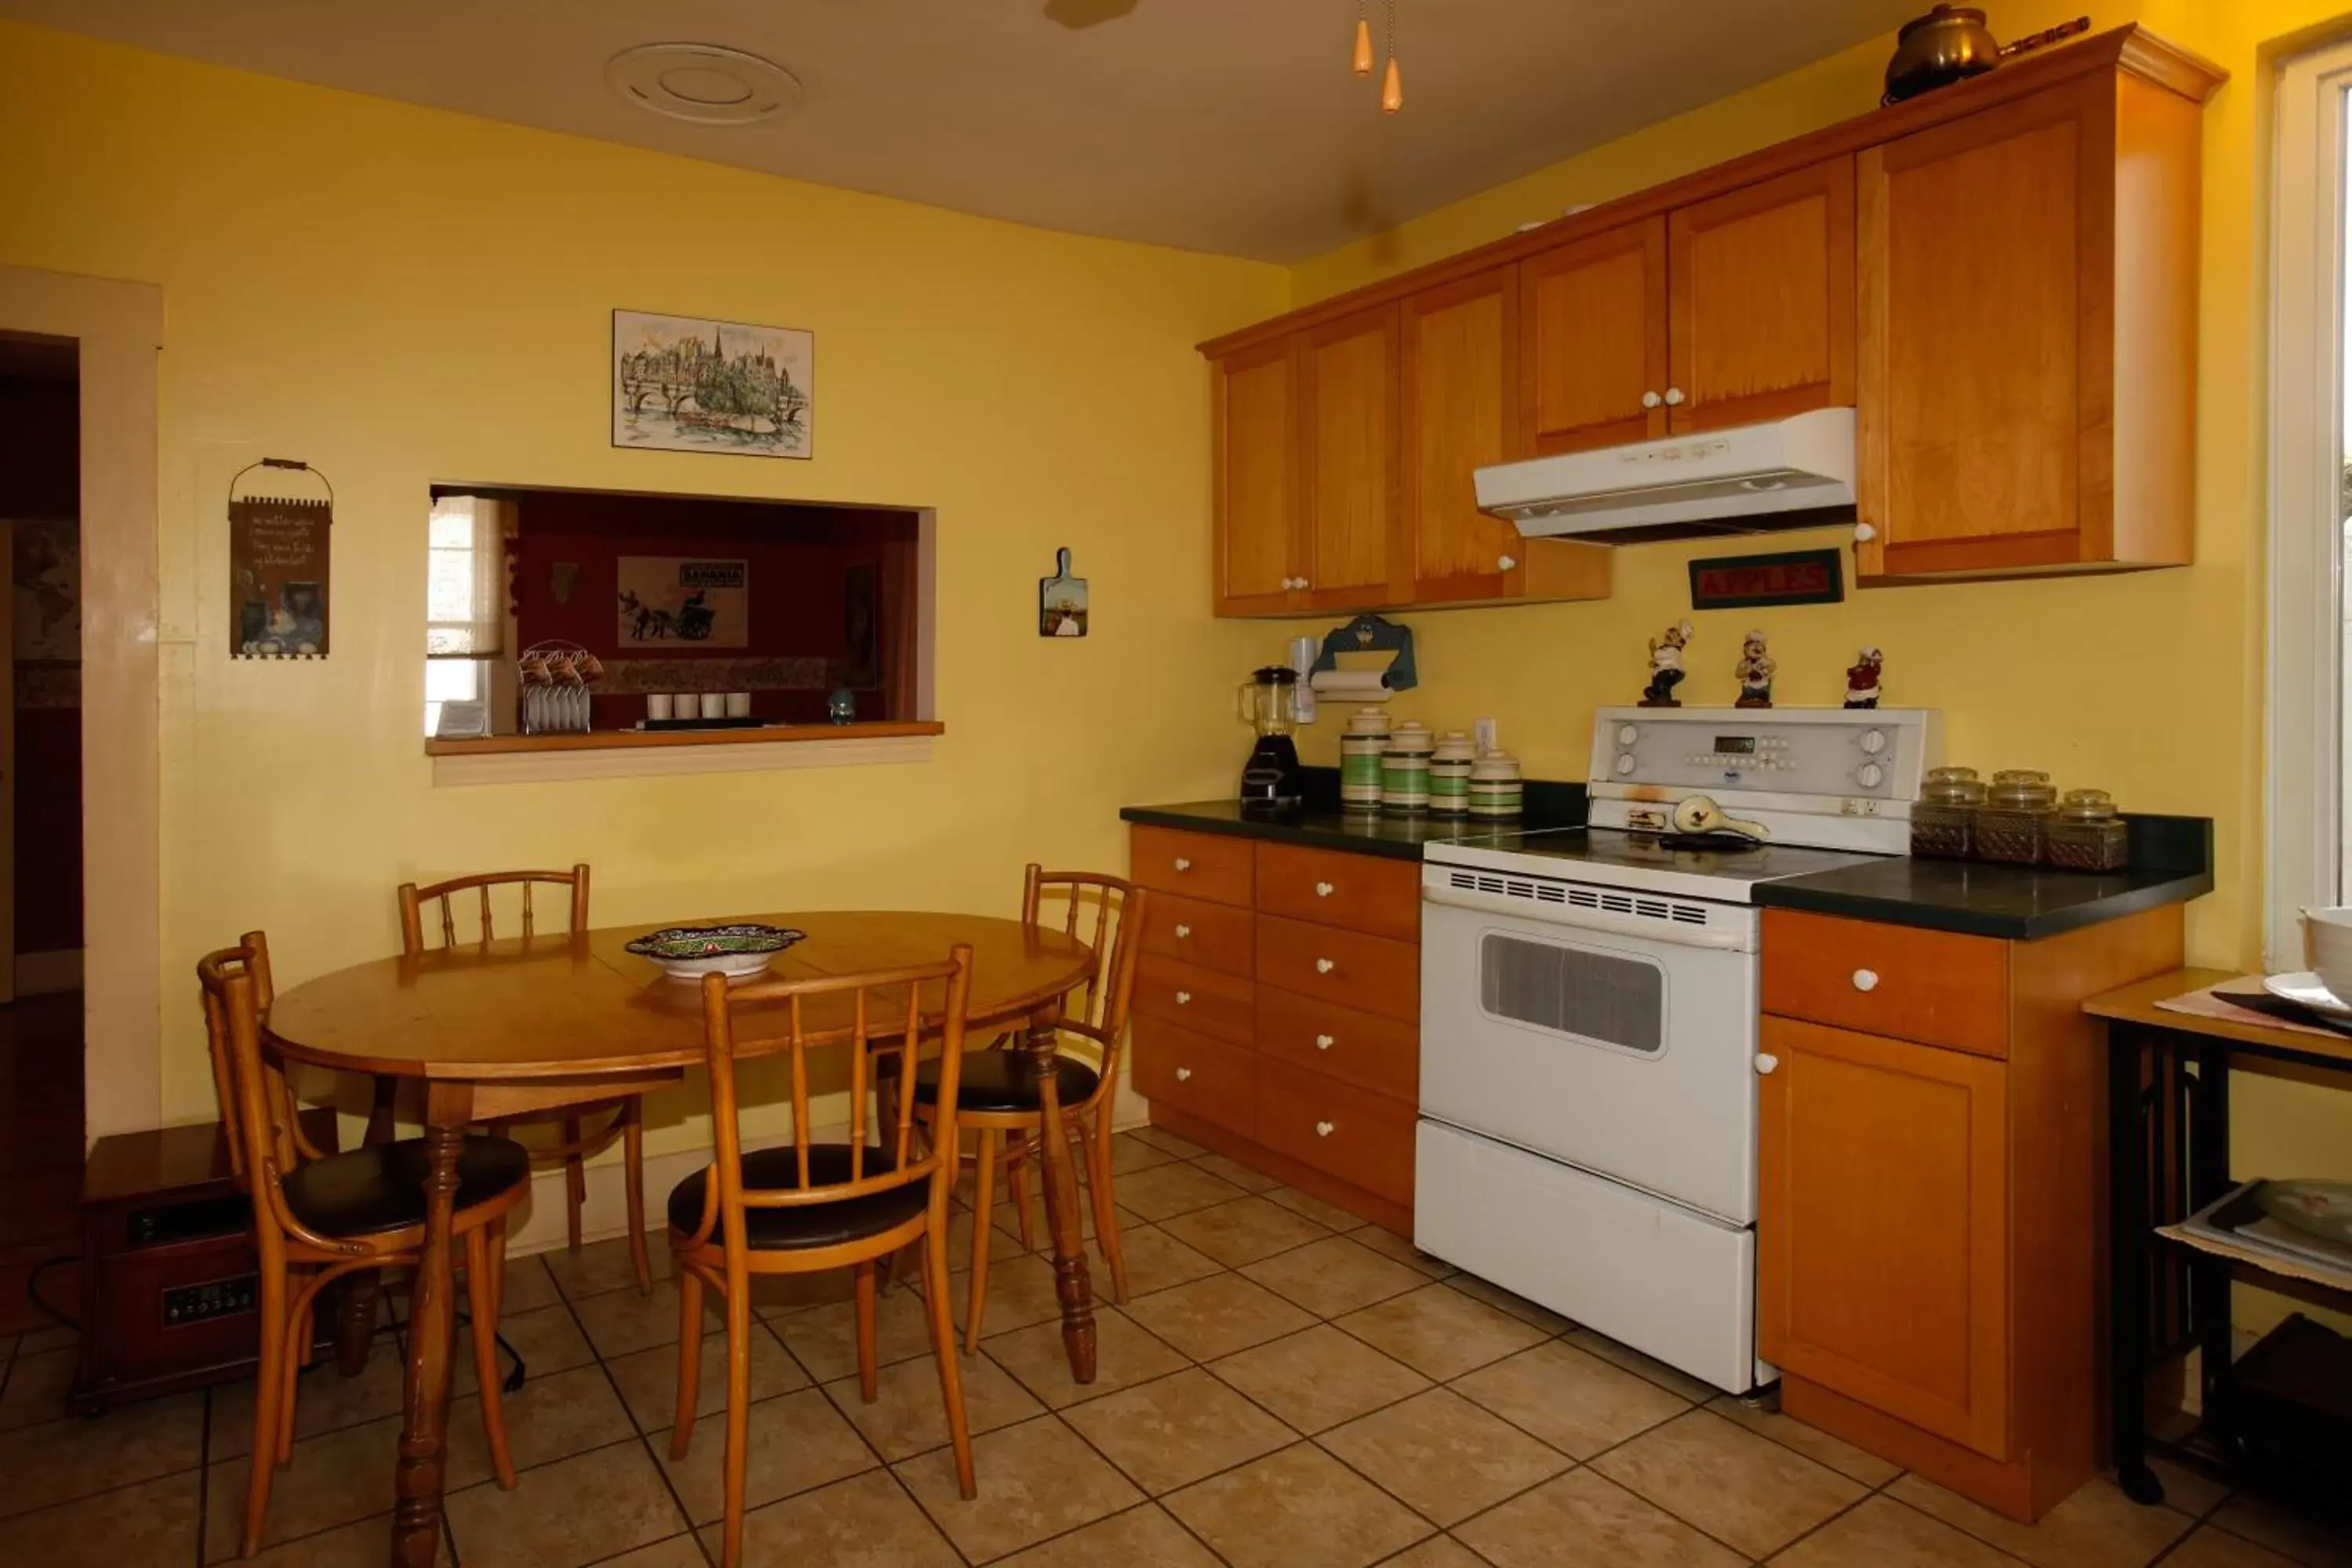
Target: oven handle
[[1662, 931]]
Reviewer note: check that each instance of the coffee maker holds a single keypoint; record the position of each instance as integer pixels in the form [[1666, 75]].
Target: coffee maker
[[1270, 779]]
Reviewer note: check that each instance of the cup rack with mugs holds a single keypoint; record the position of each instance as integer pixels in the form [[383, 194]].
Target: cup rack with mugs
[[553, 696]]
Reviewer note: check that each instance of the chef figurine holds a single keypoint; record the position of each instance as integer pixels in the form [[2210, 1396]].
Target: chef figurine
[[1862, 679], [1754, 672], [1666, 667]]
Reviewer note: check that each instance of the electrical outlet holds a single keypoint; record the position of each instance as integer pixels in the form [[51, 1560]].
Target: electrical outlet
[[1483, 732]]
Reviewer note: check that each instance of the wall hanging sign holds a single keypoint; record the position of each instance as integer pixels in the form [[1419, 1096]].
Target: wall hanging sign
[[682, 383], [277, 552], [1062, 601], [667, 600], [1789, 577]]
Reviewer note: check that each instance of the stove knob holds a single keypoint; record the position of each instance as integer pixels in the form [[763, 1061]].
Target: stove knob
[[1874, 741], [1869, 775], [1627, 734], [1625, 762], [1767, 1064]]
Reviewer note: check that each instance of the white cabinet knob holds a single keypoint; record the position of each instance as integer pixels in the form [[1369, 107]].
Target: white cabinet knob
[[1324, 890], [1324, 1042], [1182, 931], [1324, 966], [1323, 1129], [1767, 1063], [1183, 1075], [1651, 400], [1505, 562], [1305, 583], [1183, 998], [1866, 980], [1675, 397], [1182, 864], [1864, 534]]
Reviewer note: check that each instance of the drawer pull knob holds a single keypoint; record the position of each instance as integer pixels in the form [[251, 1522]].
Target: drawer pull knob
[[1323, 889], [1323, 1129], [1767, 1064], [1324, 1042], [1183, 1075], [1505, 562], [1651, 400], [1182, 931], [1324, 966], [1866, 980], [1183, 998], [1182, 864]]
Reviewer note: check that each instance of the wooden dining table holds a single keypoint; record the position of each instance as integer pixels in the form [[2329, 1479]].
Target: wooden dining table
[[522, 1024]]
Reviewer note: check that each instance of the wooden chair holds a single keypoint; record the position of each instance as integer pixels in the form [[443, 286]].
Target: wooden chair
[[318, 1216], [628, 1113], [996, 1100], [806, 1207]]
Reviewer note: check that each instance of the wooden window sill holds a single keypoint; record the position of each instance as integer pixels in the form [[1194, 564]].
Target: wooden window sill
[[630, 754]]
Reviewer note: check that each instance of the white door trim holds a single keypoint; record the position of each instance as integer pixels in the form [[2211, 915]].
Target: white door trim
[[119, 329]]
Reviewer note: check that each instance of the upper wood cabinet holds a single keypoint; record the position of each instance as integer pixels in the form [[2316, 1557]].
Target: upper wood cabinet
[[2028, 336], [1761, 318], [1460, 354], [1593, 326], [1256, 480], [1347, 468]]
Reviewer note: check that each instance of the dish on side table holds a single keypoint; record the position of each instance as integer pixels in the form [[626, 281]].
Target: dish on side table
[[2305, 990], [737, 951]]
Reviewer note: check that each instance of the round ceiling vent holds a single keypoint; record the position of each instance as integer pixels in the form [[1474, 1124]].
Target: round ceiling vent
[[703, 82]]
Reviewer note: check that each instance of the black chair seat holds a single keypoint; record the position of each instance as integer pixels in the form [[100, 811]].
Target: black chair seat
[[1007, 1082], [380, 1187], [807, 1225]]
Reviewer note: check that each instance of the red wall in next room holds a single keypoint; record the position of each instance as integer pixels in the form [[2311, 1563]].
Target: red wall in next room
[[798, 556]]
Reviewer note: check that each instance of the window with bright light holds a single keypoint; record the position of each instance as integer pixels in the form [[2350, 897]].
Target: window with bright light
[[464, 620]]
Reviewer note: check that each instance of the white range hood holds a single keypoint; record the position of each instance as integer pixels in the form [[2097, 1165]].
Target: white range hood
[[1743, 480]]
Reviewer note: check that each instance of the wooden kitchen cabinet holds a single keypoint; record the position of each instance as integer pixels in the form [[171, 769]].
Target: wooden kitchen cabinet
[[2027, 372], [1348, 413], [1594, 320], [1930, 1200], [1761, 301], [1257, 545], [1460, 376]]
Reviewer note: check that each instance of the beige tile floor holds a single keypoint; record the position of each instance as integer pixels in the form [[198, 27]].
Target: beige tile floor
[[1286, 1388]]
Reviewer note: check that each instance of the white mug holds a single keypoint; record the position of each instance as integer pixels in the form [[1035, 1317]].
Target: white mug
[[714, 705], [657, 705], [739, 705], [2327, 948]]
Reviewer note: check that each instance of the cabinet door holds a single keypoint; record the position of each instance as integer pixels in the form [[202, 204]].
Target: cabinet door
[[1257, 479], [1348, 417], [1883, 1226], [1461, 381], [1978, 394], [1762, 320], [1592, 323]]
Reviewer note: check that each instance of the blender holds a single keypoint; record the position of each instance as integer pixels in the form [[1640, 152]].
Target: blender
[[1270, 779]]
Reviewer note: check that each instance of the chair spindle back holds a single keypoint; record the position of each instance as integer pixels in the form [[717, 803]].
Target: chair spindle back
[[1105, 913], [257, 1108], [413, 899]]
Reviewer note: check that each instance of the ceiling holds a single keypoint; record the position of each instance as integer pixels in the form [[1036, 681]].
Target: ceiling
[[1230, 126]]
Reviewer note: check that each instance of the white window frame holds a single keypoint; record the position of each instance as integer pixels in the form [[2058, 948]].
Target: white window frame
[[2304, 726]]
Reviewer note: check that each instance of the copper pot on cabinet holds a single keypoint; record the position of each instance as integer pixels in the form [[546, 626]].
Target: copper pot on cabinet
[[1951, 43]]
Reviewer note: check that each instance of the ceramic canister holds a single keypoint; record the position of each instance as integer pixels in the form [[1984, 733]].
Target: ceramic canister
[[1449, 774], [1495, 787], [1405, 769], [1361, 746]]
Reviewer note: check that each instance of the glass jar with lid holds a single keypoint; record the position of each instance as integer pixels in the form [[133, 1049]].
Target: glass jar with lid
[[2085, 834], [2011, 825], [1943, 823]]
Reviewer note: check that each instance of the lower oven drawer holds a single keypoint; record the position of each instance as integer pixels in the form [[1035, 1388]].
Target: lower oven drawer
[[1364, 1139], [1209, 1078]]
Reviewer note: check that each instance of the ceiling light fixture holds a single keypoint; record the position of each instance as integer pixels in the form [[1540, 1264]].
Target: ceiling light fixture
[[1392, 84], [707, 84], [1363, 61]]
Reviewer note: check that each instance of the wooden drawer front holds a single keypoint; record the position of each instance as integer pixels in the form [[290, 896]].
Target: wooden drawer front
[[1201, 1000], [1930, 986], [1332, 887], [1374, 1053], [1360, 1137], [1213, 936], [1370, 974], [1196, 865], [1193, 1073]]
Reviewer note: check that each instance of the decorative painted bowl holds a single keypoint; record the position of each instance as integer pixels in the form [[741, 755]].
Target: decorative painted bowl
[[738, 951]]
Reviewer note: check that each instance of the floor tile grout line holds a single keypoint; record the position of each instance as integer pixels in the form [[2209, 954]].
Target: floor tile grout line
[[628, 1412], [204, 1477]]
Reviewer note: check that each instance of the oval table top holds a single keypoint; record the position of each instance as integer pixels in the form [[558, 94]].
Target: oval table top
[[578, 1004]]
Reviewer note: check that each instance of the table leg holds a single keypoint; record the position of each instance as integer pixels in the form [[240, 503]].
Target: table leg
[[2129, 1157], [362, 1292], [431, 1330], [1061, 1184]]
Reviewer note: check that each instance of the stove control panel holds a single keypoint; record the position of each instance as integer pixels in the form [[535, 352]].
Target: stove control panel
[[1840, 759]]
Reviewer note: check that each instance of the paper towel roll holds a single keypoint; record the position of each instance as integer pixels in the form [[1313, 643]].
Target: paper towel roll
[[1350, 685]]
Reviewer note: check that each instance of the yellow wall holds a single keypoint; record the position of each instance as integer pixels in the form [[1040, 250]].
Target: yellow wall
[[401, 295], [2147, 685]]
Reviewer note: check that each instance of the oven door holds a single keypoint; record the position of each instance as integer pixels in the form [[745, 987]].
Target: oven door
[[1626, 1051]]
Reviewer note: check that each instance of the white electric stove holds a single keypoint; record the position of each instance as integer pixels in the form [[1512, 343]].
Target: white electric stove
[[1588, 1018]]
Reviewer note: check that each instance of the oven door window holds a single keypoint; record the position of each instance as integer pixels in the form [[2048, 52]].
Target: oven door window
[[1608, 997]]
